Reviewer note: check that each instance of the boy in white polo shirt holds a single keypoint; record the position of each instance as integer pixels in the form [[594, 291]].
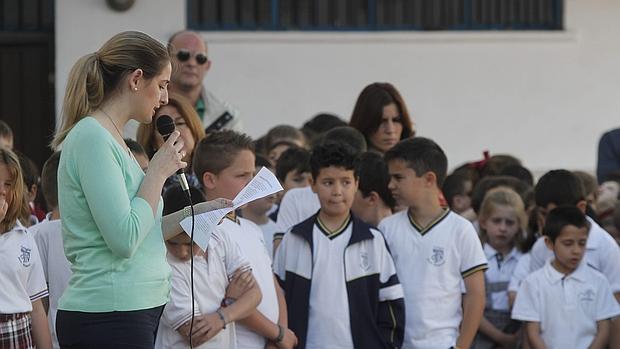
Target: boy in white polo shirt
[[339, 279], [256, 211], [373, 200], [562, 187], [224, 162], [220, 273], [435, 250], [567, 303], [48, 236]]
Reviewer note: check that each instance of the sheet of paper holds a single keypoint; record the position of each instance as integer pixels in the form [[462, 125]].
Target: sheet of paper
[[203, 225], [263, 184]]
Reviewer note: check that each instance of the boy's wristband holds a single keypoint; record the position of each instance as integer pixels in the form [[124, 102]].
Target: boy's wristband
[[280, 336], [219, 313], [227, 301]]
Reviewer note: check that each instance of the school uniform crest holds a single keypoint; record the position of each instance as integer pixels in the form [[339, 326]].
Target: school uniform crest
[[587, 296], [438, 257], [364, 261], [24, 257]]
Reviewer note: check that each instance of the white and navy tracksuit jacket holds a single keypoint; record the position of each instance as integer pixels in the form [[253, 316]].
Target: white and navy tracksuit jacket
[[376, 304]]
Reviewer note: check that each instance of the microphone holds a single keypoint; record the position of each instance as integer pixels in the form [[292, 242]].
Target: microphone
[[165, 127]]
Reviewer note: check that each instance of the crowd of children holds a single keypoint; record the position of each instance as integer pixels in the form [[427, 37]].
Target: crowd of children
[[368, 246]]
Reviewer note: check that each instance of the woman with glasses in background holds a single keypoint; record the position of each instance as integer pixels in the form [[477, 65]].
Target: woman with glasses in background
[[186, 121]]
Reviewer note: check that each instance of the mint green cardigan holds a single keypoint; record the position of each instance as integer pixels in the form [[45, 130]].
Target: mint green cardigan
[[111, 237]]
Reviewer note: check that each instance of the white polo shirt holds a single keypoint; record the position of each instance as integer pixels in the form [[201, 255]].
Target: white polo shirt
[[249, 237], [567, 306], [56, 267], [269, 229], [431, 263], [297, 205], [21, 275], [522, 270], [210, 281], [329, 323], [602, 253], [498, 275]]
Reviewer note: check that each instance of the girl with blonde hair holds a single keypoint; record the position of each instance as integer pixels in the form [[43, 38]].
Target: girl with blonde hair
[[23, 323]]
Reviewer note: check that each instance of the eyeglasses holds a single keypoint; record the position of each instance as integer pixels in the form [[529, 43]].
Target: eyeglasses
[[184, 56]]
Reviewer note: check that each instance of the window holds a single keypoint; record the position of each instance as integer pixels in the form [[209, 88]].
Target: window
[[372, 15]]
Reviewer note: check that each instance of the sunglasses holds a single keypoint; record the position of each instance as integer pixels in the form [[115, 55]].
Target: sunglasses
[[184, 56]]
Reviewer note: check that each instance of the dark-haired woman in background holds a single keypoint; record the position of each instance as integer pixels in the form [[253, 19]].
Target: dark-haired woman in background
[[381, 115]]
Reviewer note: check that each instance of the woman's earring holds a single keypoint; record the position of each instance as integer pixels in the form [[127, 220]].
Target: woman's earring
[[135, 89]]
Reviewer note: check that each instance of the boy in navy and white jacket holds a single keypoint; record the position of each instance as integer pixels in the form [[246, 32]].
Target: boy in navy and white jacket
[[338, 276]]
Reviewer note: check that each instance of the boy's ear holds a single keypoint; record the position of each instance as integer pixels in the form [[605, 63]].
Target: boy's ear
[[548, 243], [430, 178], [209, 180], [581, 205], [374, 198], [312, 185]]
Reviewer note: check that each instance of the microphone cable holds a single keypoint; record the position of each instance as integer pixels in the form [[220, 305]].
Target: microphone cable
[[191, 275], [165, 127], [191, 268]]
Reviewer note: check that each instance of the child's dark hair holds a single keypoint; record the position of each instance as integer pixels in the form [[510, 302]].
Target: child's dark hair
[[30, 170], [319, 124], [488, 183], [283, 133], [293, 159], [347, 135], [497, 163], [49, 180], [562, 216], [135, 147], [374, 176], [559, 187], [175, 198], [469, 171], [259, 145], [332, 154], [590, 185], [5, 130], [262, 161], [519, 172], [218, 150], [421, 155], [454, 185], [323, 122]]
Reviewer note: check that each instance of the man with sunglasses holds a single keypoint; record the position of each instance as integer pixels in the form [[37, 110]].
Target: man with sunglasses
[[189, 53]]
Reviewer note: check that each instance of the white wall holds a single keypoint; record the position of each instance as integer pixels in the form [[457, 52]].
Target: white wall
[[82, 26], [544, 97]]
